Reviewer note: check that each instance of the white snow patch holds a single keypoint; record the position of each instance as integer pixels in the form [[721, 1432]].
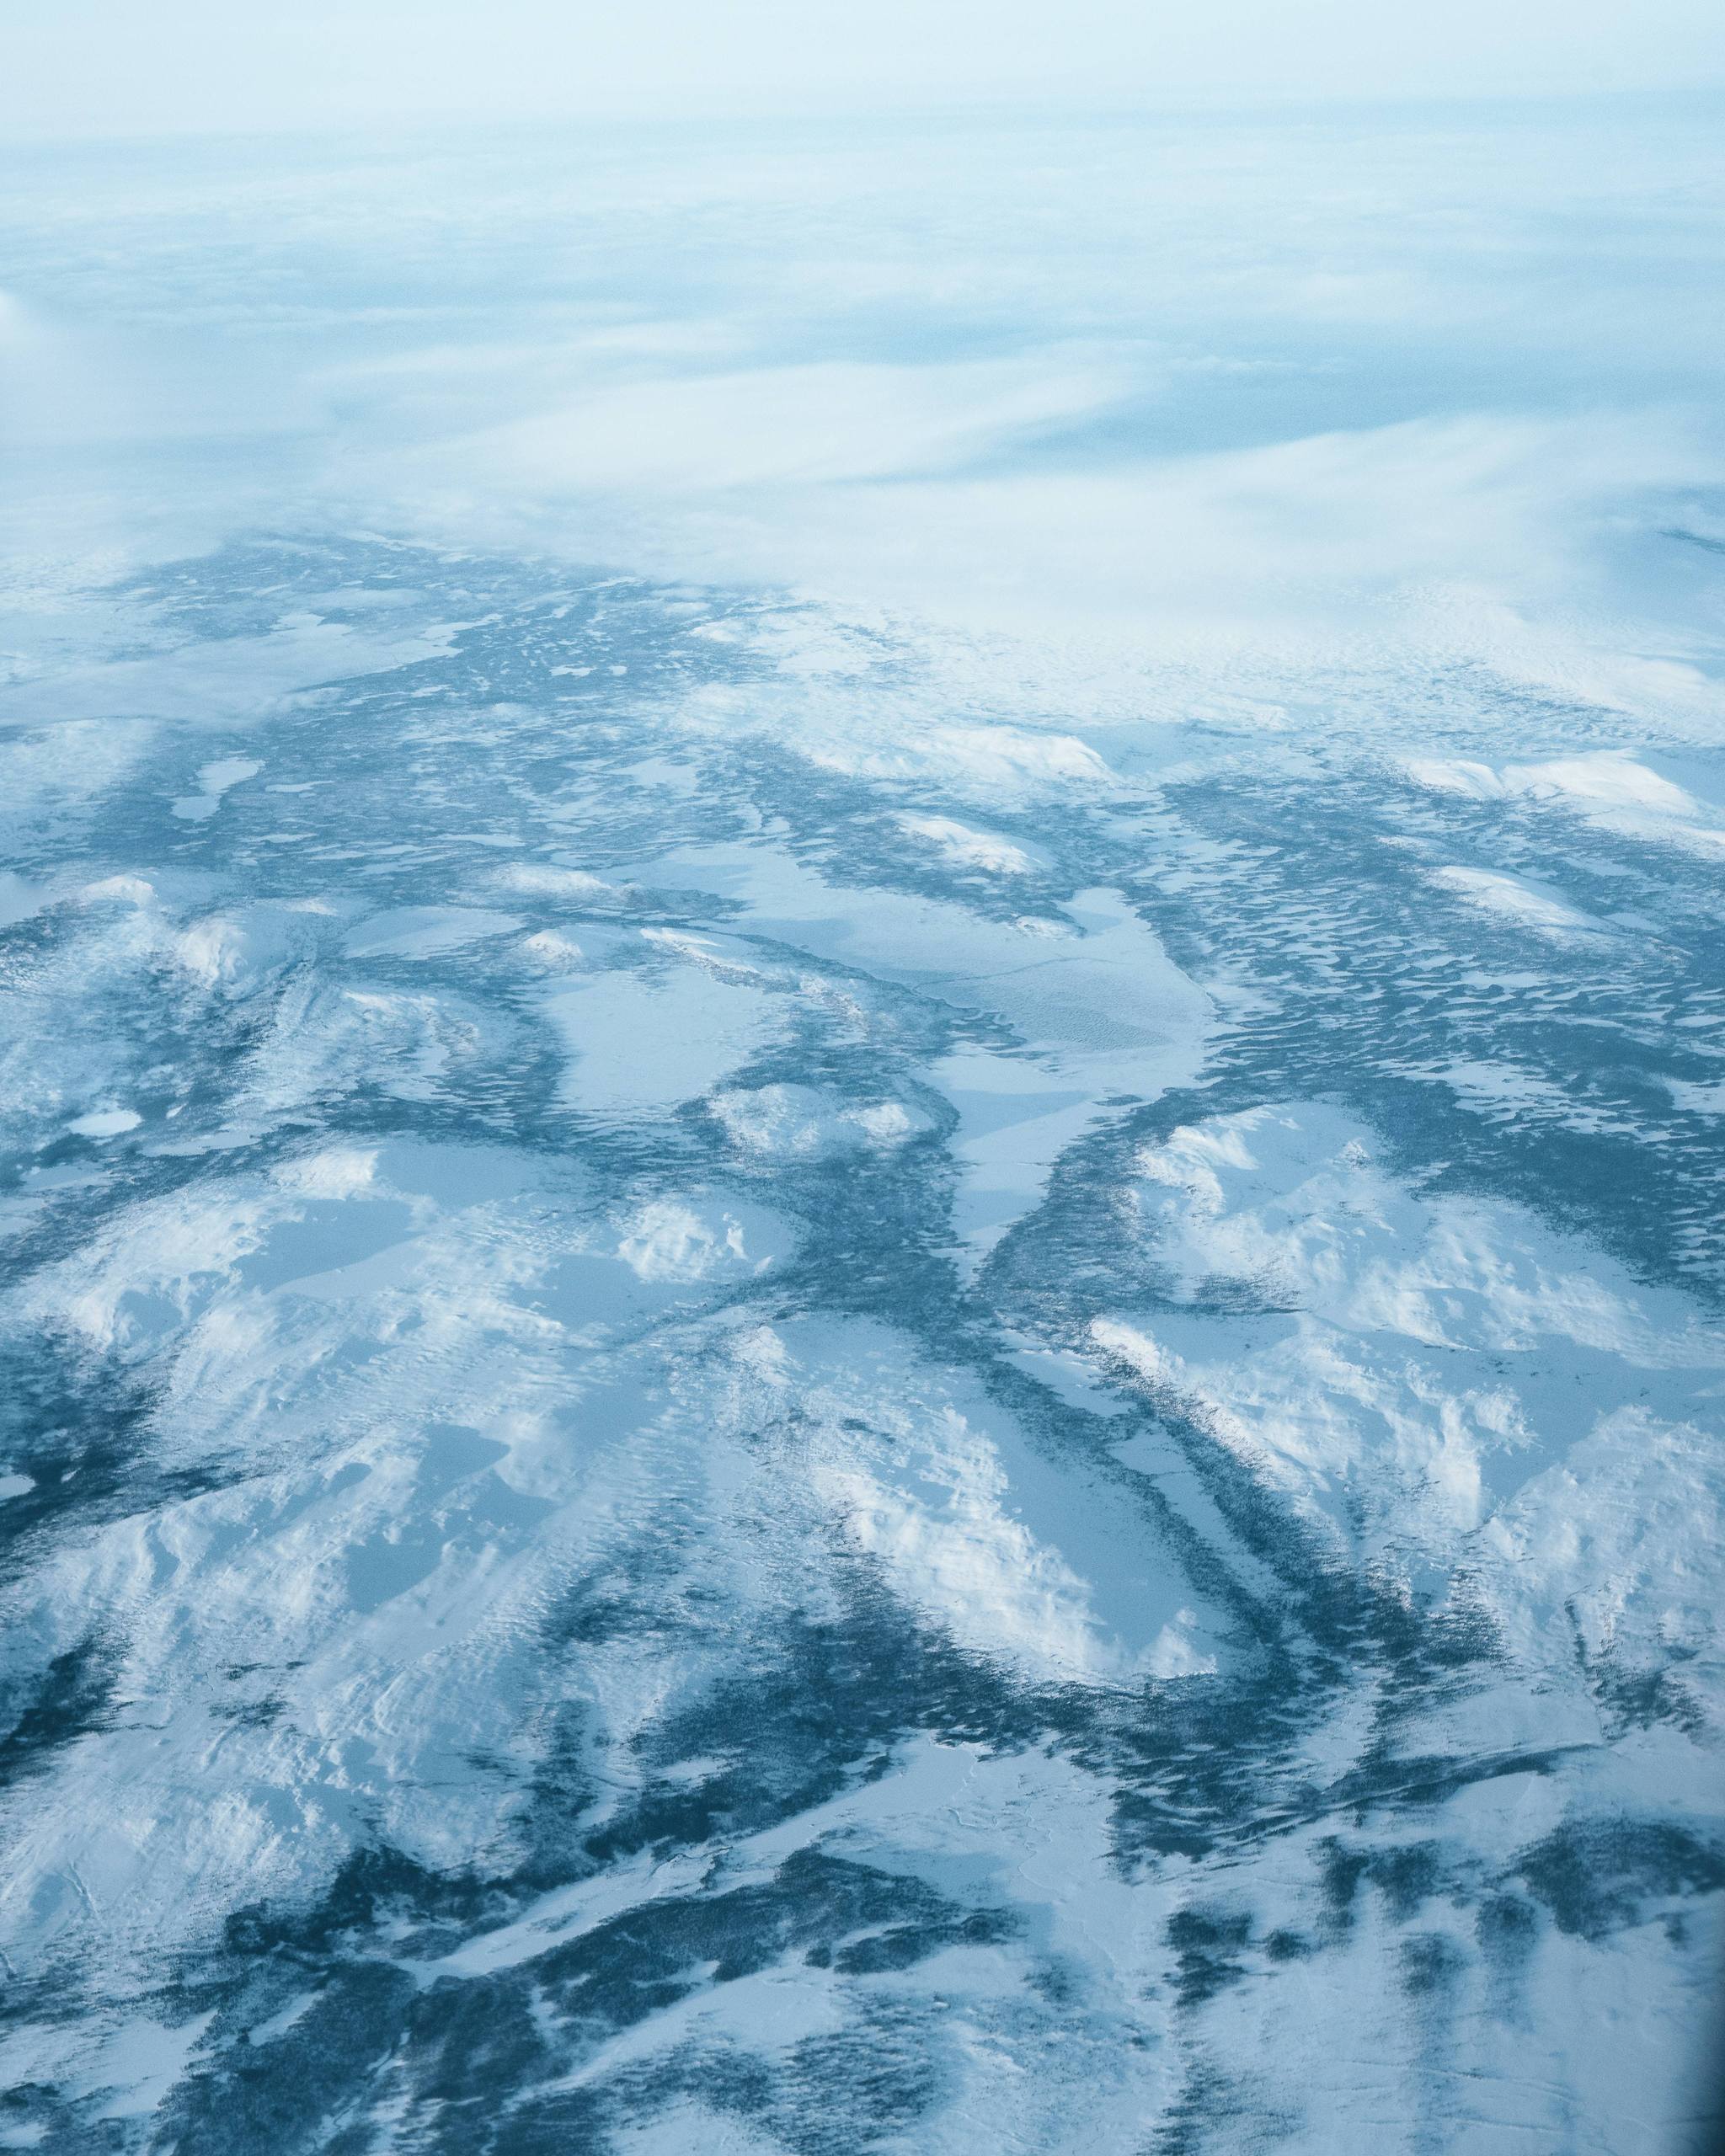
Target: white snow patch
[[1513, 900], [672, 1241], [970, 849], [213, 781], [1607, 786], [791, 1122], [545, 880], [105, 1122]]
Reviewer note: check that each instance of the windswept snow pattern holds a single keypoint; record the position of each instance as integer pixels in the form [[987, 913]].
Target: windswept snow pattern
[[754, 1407]]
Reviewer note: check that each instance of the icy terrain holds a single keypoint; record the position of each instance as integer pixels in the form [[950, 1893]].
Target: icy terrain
[[864, 1047]]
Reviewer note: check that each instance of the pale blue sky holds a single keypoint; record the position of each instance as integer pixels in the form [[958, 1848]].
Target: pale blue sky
[[114, 67]]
